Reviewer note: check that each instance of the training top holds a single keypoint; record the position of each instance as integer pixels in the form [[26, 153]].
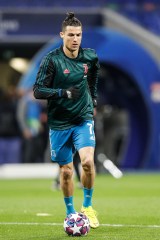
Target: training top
[[57, 71]]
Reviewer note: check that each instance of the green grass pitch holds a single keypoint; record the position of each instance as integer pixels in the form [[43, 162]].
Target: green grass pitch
[[129, 208]]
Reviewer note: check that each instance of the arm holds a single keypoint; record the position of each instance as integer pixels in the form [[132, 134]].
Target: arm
[[42, 88], [92, 78]]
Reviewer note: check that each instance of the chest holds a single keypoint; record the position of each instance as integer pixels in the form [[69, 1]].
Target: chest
[[71, 72]]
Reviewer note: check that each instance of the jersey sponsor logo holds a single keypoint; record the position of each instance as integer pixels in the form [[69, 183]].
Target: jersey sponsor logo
[[66, 71]]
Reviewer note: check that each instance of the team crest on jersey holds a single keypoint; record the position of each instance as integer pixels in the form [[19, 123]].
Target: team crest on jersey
[[85, 68], [66, 71]]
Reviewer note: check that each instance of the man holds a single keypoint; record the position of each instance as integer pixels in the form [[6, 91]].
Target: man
[[29, 116], [68, 78]]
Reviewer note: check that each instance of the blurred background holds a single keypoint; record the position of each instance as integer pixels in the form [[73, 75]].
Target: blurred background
[[126, 37]]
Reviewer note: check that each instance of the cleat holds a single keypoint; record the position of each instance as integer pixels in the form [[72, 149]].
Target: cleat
[[92, 216]]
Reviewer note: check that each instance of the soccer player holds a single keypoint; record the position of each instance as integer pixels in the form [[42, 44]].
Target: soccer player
[[68, 78]]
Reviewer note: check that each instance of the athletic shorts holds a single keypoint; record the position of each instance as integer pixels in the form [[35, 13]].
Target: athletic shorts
[[64, 143]]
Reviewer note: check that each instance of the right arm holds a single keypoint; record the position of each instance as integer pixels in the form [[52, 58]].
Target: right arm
[[42, 88]]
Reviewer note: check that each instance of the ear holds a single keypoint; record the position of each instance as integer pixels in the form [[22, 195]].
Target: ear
[[61, 34]]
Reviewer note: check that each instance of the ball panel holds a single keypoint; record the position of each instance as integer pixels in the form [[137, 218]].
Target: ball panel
[[76, 224]]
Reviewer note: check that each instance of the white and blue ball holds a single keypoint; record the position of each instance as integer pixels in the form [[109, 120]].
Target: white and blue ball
[[76, 224]]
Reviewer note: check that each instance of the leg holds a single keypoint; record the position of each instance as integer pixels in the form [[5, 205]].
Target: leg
[[88, 171], [66, 179], [28, 150], [66, 182], [61, 152], [87, 178], [88, 174]]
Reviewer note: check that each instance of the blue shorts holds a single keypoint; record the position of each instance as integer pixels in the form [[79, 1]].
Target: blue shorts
[[64, 143]]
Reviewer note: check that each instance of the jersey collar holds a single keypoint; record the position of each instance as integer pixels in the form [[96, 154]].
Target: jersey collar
[[79, 53]]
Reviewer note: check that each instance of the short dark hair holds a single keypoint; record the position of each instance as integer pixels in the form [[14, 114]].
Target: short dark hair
[[71, 21]]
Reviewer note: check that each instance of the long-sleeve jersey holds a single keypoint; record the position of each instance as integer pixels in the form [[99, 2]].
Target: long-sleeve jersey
[[56, 72]]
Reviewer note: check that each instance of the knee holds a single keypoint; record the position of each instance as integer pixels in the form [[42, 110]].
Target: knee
[[88, 164], [66, 173]]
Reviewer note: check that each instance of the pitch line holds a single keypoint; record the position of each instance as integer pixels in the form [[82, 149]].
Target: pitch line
[[60, 224]]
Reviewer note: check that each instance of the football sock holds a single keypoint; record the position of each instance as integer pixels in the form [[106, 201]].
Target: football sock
[[87, 197], [69, 205]]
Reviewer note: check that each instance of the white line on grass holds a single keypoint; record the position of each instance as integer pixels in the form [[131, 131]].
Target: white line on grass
[[43, 214], [30, 223], [60, 224]]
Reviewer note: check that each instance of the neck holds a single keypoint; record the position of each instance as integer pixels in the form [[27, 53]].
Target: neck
[[69, 53]]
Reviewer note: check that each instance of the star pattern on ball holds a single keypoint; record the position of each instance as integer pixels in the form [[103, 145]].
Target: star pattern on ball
[[76, 224]]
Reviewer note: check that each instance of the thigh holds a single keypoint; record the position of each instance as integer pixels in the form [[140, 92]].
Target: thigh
[[61, 146], [83, 135]]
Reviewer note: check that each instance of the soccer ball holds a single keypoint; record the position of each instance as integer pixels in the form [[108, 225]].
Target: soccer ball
[[76, 224]]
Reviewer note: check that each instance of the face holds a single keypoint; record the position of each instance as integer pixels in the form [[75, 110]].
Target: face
[[72, 37]]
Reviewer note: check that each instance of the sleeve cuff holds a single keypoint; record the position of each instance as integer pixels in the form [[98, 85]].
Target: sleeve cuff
[[60, 92]]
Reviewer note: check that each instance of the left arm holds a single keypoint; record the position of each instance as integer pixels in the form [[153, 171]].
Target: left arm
[[92, 78]]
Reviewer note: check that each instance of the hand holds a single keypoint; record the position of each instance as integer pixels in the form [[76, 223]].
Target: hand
[[71, 93]]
